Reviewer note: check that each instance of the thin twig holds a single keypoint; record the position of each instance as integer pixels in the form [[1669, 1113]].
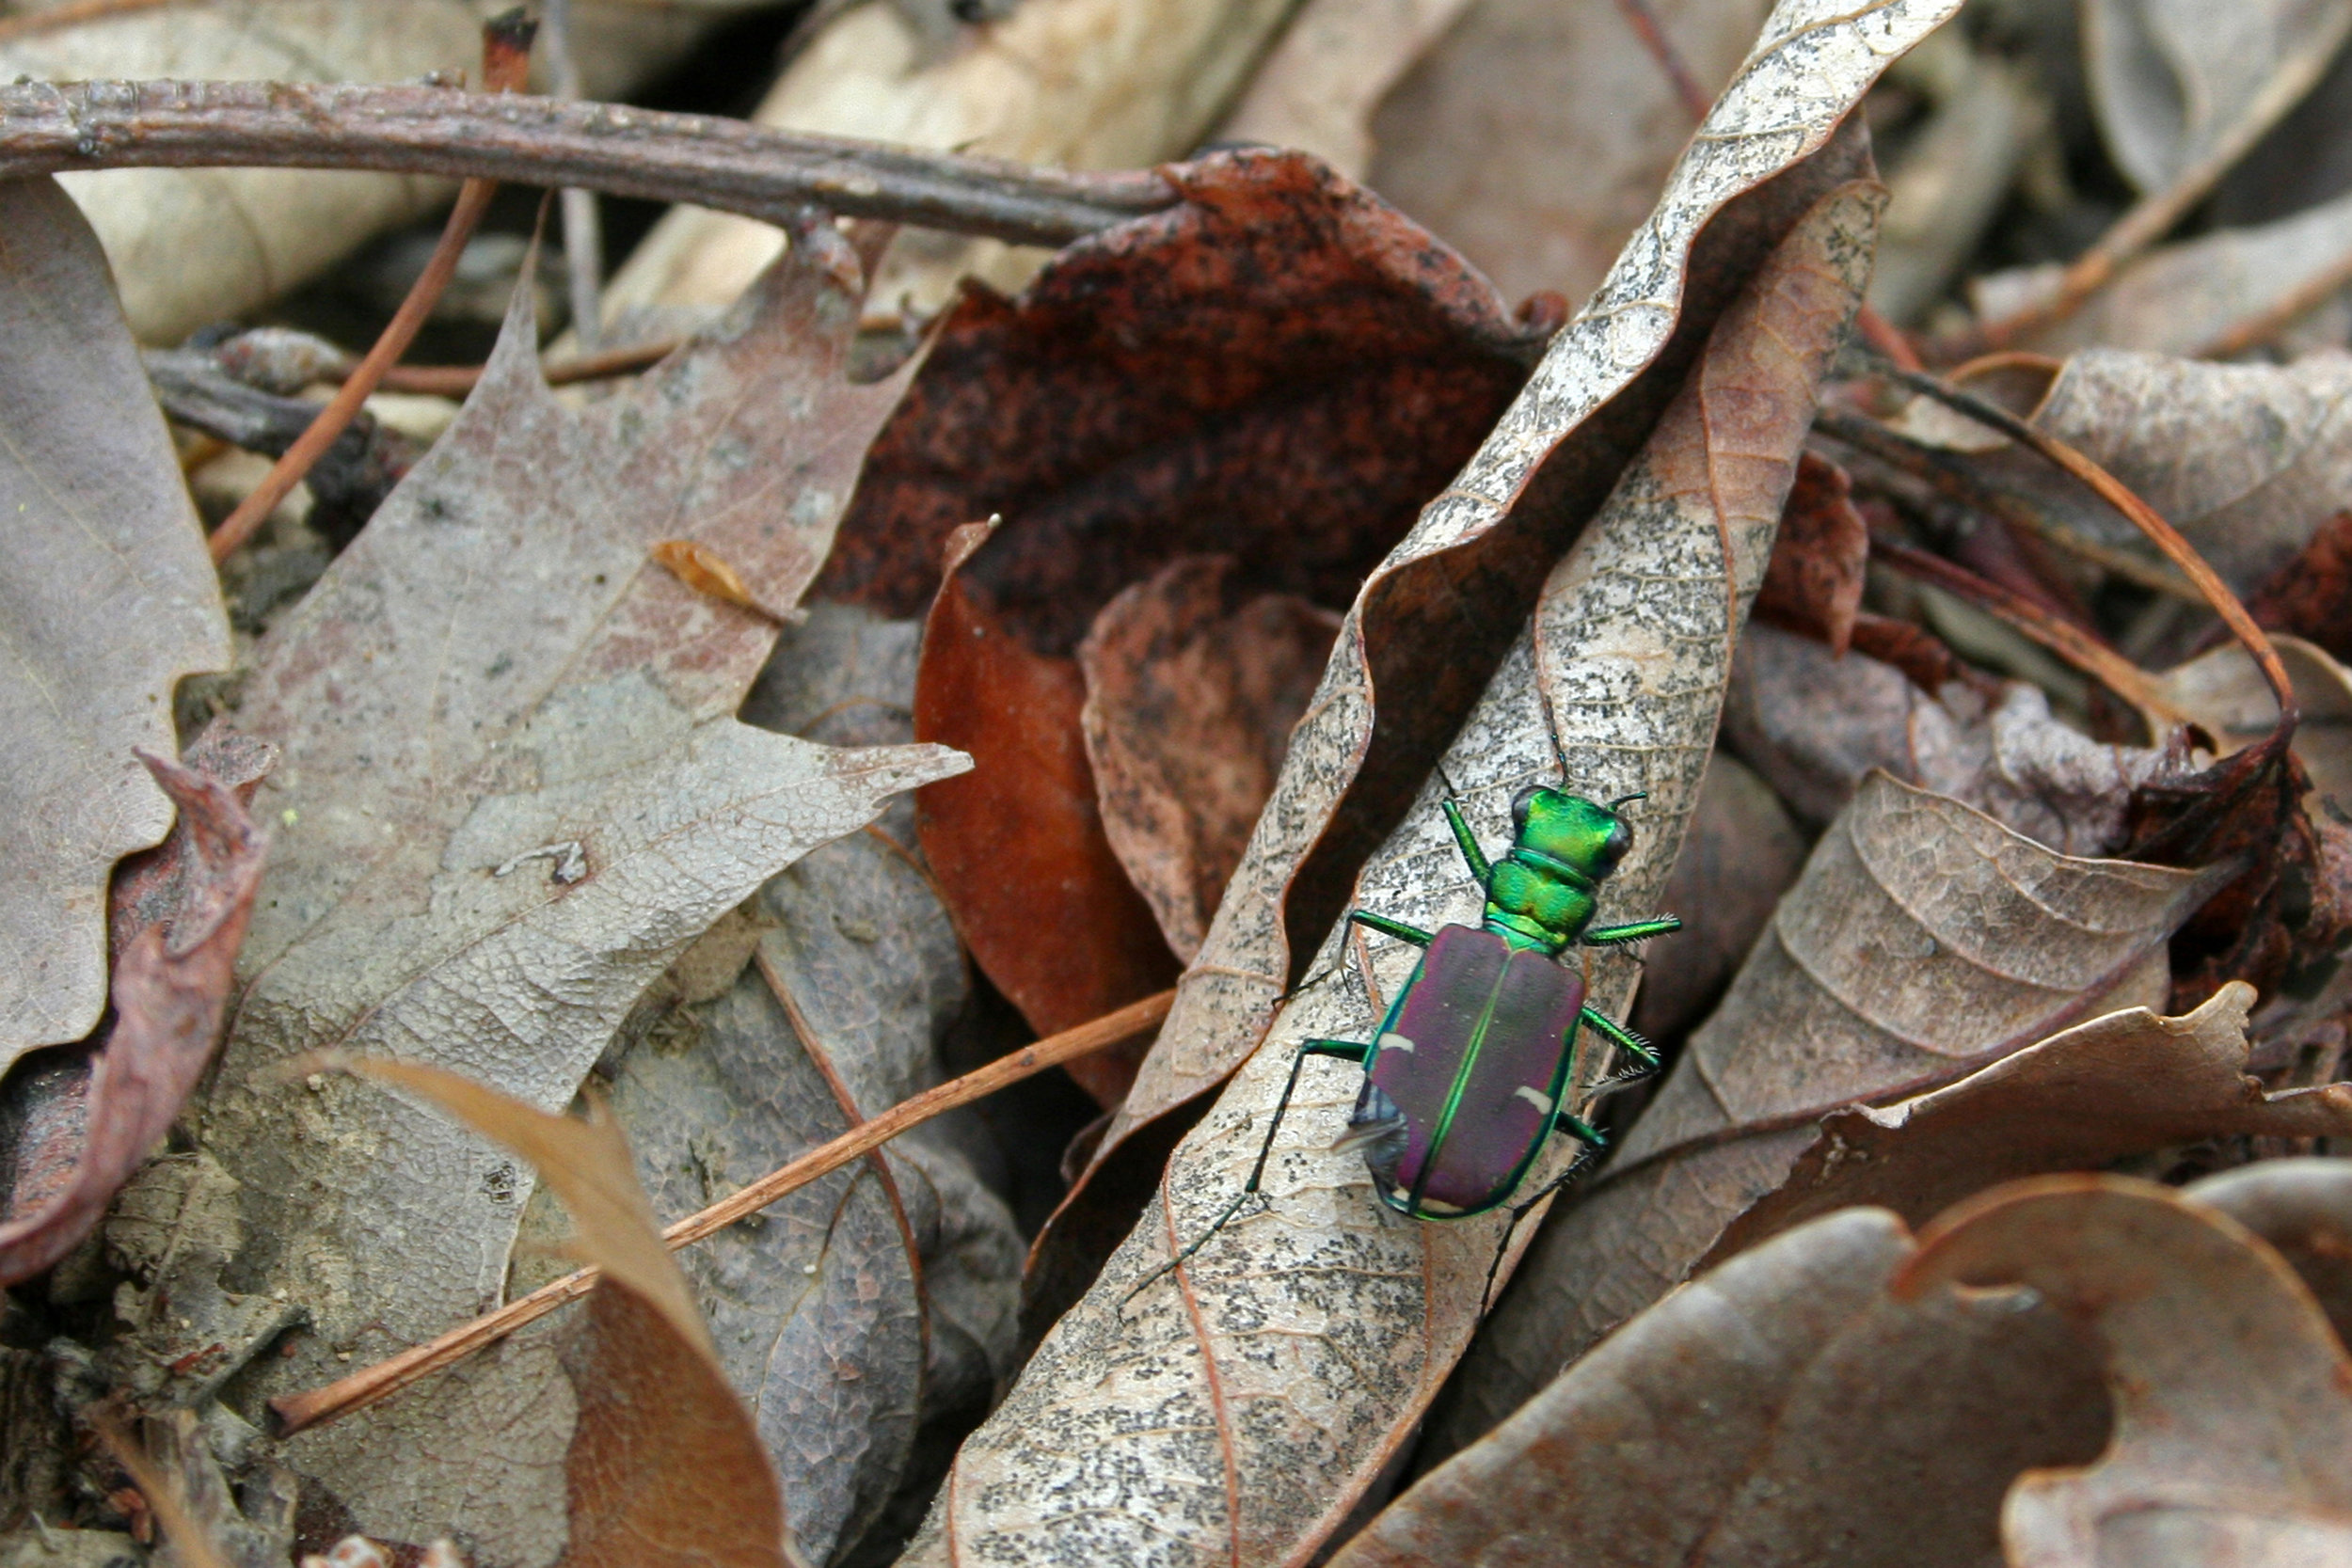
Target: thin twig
[[293, 1413], [506, 61], [2116, 494], [455, 381], [2142, 224], [584, 229], [728, 165], [190, 1539], [2281, 313], [2062, 637]]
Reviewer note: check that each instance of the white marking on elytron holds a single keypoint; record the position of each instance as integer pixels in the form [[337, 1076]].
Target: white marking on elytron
[[1536, 1097], [1394, 1041]]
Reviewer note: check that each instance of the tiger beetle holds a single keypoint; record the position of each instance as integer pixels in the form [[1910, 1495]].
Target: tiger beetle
[[1469, 1074]]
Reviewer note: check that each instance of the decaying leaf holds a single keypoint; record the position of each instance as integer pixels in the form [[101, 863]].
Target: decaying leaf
[[2176, 84], [1537, 134], [514, 791], [1308, 1337], [1281, 370], [1924, 940], [1814, 583], [664, 1467], [2246, 461], [1190, 699], [1780, 1412], [107, 601], [2232, 1396], [2303, 1209], [1814, 725], [171, 987], [2124, 1084]]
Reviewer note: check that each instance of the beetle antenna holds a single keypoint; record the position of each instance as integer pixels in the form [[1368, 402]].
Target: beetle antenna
[[1637, 795]]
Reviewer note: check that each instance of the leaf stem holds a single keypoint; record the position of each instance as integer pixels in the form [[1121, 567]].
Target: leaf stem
[[294, 1413]]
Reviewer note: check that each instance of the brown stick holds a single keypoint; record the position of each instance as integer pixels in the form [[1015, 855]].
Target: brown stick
[[292, 1413], [1647, 26], [455, 381], [725, 163], [73, 14], [506, 64]]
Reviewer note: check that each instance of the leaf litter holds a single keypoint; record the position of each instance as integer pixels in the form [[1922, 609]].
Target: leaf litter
[[1201, 428]]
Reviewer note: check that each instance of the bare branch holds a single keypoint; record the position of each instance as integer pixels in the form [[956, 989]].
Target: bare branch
[[725, 163]]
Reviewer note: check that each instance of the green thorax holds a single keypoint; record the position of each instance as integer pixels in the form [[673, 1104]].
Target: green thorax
[[1541, 896]]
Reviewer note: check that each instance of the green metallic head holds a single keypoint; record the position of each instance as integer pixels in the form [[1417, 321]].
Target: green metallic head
[[1542, 894]]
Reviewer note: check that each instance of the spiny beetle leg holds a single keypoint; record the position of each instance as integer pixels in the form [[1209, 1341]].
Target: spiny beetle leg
[[1386, 927], [1635, 930], [1577, 1127], [1348, 1049], [1645, 1059], [1588, 1150]]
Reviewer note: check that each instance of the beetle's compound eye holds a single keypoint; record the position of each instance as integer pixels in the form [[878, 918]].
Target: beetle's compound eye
[[1519, 804], [1614, 848]]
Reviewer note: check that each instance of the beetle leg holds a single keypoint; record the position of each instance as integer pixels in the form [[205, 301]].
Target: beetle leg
[[1588, 1150], [1645, 1059], [1635, 930], [1396, 928], [1472, 853], [1349, 1049]]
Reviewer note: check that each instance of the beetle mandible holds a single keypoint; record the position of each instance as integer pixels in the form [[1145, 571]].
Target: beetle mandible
[[1469, 1073]]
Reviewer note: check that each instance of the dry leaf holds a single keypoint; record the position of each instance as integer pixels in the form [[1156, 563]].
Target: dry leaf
[[2246, 461], [1814, 725], [1780, 1412], [1190, 700], [1323, 79], [881, 1298], [195, 246], [1080, 84], [171, 987], [2126, 1084], [665, 1470], [1814, 583], [2303, 1209], [109, 600], [2176, 83], [1307, 1340], [514, 791], [1740, 852], [1282, 369], [2232, 1396], [1924, 940], [1537, 134]]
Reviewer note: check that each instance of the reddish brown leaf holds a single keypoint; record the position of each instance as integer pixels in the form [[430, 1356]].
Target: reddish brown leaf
[[1190, 700], [171, 986], [1814, 583], [1282, 369], [1036, 890], [2310, 596]]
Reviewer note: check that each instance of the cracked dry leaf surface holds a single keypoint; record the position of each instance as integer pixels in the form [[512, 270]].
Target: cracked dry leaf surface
[[1308, 1335], [2232, 1395], [1923, 940], [107, 600], [512, 791]]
